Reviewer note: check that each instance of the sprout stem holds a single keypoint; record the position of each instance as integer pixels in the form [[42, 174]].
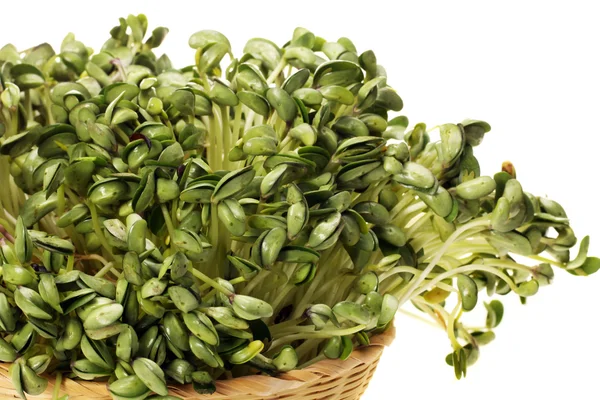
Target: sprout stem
[[60, 200], [8, 202], [483, 221], [57, 382], [312, 361], [28, 107], [96, 257], [407, 198], [239, 279], [70, 262], [547, 260], [435, 311], [324, 334], [217, 132], [174, 206], [210, 151], [236, 123], [466, 247], [417, 223], [394, 285], [294, 329], [451, 320], [407, 214], [307, 349], [236, 281], [226, 134], [12, 221], [399, 270], [326, 288], [286, 324], [122, 135], [277, 71], [107, 267], [249, 120], [281, 296], [98, 228], [467, 268], [321, 273], [4, 232], [72, 196], [507, 264], [340, 293], [169, 223], [204, 278], [257, 280], [46, 102], [7, 292]]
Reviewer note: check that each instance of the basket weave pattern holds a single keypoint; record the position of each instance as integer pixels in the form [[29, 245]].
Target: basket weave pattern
[[325, 380]]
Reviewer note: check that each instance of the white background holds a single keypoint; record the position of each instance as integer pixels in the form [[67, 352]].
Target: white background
[[531, 69]]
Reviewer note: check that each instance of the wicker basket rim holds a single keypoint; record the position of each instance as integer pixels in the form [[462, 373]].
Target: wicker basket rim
[[251, 387]]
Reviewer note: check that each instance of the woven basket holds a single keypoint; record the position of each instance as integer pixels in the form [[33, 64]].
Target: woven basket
[[328, 379]]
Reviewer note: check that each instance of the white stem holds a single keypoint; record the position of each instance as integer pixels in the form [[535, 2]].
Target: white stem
[[276, 71], [462, 270], [418, 280]]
